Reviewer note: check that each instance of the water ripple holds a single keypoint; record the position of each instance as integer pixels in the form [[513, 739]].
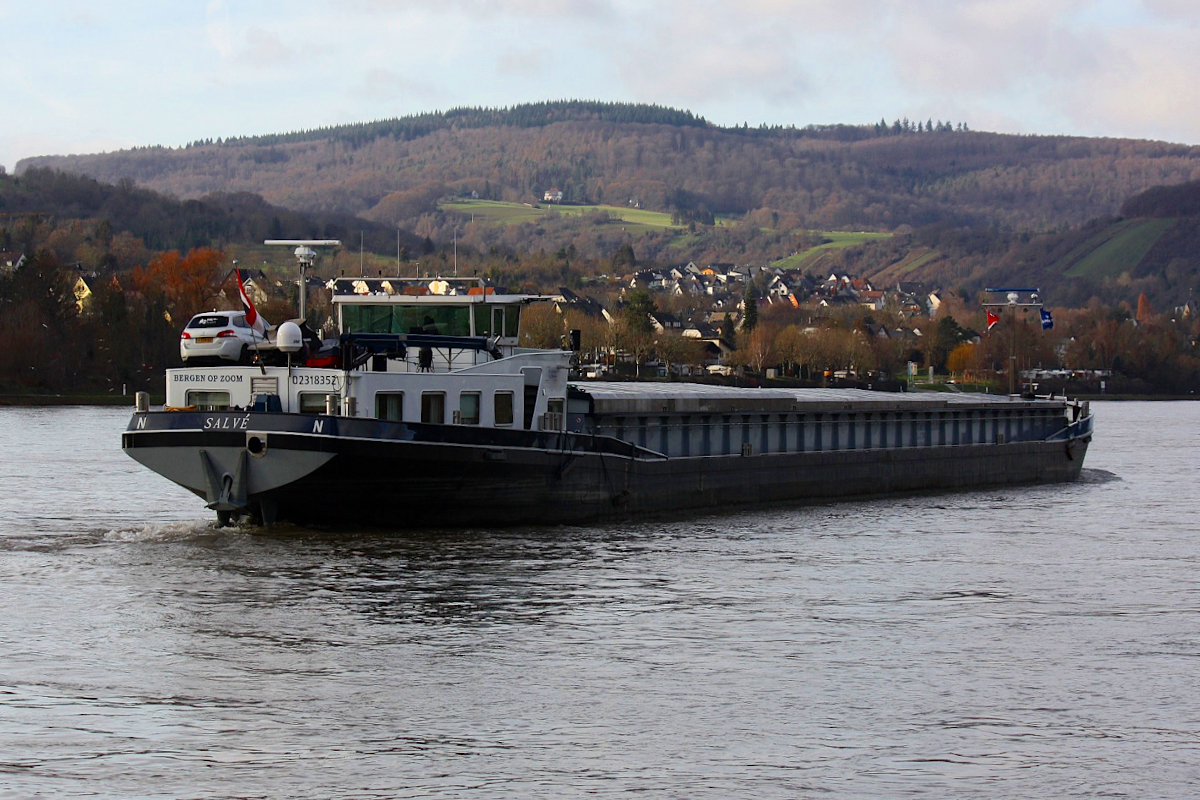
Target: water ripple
[[1015, 642]]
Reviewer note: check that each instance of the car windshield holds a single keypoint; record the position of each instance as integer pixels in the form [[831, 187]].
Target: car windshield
[[209, 321]]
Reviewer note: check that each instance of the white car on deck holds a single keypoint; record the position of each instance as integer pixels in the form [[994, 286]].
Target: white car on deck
[[219, 337]]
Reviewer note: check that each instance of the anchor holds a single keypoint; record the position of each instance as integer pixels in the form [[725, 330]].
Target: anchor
[[225, 493]]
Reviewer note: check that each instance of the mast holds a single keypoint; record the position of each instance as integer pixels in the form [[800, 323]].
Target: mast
[[1012, 300], [305, 257]]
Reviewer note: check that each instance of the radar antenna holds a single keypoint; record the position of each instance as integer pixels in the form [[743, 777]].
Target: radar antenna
[[305, 255]]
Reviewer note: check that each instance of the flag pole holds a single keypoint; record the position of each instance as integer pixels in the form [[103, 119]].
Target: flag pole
[[1013, 301], [1012, 357]]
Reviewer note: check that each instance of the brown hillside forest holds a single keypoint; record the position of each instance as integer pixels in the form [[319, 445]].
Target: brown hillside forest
[[1109, 230]]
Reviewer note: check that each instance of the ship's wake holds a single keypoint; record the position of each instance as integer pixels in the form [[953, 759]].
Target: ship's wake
[[182, 531], [1089, 475]]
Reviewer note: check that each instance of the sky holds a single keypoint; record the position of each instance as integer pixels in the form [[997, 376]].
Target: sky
[[86, 77]]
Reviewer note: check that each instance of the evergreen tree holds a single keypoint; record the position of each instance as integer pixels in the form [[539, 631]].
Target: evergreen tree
[[624, 257], [750, 308], [728, 331], [637, 311]]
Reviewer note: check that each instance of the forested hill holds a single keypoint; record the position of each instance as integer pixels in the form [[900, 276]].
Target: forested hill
[[164, 223], [878, 177], [532, 115]]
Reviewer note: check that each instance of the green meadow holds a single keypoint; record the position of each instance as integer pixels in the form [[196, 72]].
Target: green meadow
[[639, 220], [1117, 249], [835, 240], [501, 213]]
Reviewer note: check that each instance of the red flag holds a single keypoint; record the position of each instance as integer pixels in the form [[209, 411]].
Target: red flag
[[992, 319], [252, 317]]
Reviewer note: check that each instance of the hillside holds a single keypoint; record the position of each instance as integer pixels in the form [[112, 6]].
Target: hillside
[[1114, 258], [872, 177], [39, 198]]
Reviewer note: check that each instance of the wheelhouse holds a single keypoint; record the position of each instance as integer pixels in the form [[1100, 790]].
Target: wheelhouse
[[441, 351]]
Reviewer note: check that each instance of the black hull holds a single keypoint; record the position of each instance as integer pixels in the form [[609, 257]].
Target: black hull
[[408, 476], [422, 487]]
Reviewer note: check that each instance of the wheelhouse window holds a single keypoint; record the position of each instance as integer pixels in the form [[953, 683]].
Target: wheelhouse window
[[502, 406], [433, 407], [389, 405], [314, 402], [468, 408], [383, 318], [208, 401], [493, 319]]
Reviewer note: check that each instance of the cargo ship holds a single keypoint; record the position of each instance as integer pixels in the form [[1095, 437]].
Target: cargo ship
[[424, 411]]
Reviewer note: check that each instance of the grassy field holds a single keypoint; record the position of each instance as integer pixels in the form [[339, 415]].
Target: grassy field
[[837, 240], [635, 219], [639, 220], [1119, 249], [912, 263]]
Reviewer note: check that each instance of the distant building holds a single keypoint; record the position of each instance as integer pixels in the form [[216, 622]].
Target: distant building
[[84, 288], [83, 292], [566, 300], [662, 322], [553, 196]]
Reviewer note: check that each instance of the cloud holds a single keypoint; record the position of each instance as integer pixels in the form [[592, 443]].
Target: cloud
[[474, 9], [81, 16], [1102, 67], [384, 84], [264, 48], [692, 57], [990, 47], [217, 27], [1174, 10], [1153, 89], [519, 63]]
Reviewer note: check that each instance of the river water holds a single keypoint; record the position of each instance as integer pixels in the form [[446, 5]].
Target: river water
[[1034, 642]]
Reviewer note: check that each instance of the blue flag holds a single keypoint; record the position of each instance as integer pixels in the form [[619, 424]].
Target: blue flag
[[1047, 320]]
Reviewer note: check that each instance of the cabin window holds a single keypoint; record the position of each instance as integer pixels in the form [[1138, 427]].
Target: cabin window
[[496, 320], [483, 325], [502, 405], [433, 407], [468, 408], [389, 405], [380, 318], [314, 402], [208, 401]]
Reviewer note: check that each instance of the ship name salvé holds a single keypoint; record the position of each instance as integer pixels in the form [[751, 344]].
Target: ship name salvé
[[226, 423]]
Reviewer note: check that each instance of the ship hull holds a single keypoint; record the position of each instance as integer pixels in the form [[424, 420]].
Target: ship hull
[[397, 475]]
